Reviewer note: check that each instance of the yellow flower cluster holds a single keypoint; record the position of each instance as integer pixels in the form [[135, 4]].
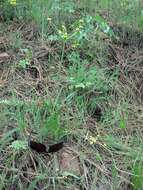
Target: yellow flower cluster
[[75, 44], [91, 139], [49, 18], [63, 33], [13, 2]]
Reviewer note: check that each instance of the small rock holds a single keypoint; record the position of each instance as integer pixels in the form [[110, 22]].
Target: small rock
[[69, 162], [3, 56]]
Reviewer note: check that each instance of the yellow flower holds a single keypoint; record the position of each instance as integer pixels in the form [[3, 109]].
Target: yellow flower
[[75, 44], [49, 18], [81, 21], [63, 33], [77, 29], [13, 2], [92, 140], [64, 28]]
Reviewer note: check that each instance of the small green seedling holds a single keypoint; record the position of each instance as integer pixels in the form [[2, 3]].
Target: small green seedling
[[23, 63], [19, 145], [137, 178], [122, 124], [28, 57]]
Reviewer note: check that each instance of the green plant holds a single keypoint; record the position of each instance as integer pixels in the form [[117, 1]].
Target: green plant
[[103, 26], [23, 63], [14, 9], [44, 119], [7, 10], [27, 58], [137, 178], [19, 145], [52, 127], [74, 35], [80, 76]]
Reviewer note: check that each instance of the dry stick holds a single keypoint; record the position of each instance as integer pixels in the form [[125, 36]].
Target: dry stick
[[107, 173], [86, 177], [127, 181], [119, 170], [92, 163], [33, 163], [98, 167]]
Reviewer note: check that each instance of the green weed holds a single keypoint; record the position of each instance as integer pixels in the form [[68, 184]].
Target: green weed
[[18, 145], [27, 58], [137, 179], [76, 76]]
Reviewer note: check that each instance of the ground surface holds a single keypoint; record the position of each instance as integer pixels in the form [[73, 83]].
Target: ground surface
[[101, 126]]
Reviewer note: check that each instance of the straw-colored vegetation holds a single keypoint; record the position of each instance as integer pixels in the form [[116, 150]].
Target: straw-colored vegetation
[[71, 71]]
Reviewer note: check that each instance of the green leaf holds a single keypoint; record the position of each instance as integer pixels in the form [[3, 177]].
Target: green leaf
[[19, 145], [80, 85], [99, 19], [52, 127], [137, 179], [104, 26], [122, 124], [53, 38], [23, 63]]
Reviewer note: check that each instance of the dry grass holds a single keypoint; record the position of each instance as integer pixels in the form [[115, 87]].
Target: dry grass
[[106, 164]]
